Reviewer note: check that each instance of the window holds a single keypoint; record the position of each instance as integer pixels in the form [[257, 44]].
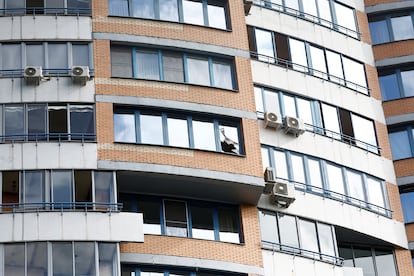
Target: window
[[298, 236], [28, 122], [407, 202], [328, 13], [54, 58], [60, 258], [209, 13], [306, 57], [192, 219], [319, 117], [21, 7], [172, 66], [391, 27], [373, 261], [328, 179], [401, 140], [396, 83], [160, 128], [145, 270]]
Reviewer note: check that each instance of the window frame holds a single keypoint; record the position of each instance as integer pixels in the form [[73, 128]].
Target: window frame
[[387, 19]]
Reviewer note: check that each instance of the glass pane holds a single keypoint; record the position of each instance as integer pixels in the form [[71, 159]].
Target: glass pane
[[148, 65], [15, 6], [222, 75], [124, 128], [407, 203], [309, 8], [54, 6], [168, 10], [355, 73], [151, 129], [298, 54], [315, 175], [14, 122], [264, 45], [216, 15], [385, 263], [334, 67], [80, 54], [379, 32], [363, 259], [151, 213], [83, 187], [193, 12], [331, 121], [79, 6], [308, 238], [268, 227], [318, 62], [335, 181], [265, 158], [14, 259], [229, 225], [202, 223], [346, 19], [375, 193], [178, 132], [11, 56], [389, 87], [175, 218], [104, 187], [289, 105], [297, 168], [355, 187], [62, 259], [58, 126], [33, 190], [229, 139], [258, 99], [292, 6], [62, 188], [204, 135], [272, 101], [35, 55], [281, 165], [288, 233], [36, 121], [82, 122], [305, 111], [108, 264], [118, 7], [402, 27], [85, 258], [326, 241], [173, 67], [364, 131], [58, 56], [37, 263], [325, 12], [407, 78], [143, 8], [198, 71], [121, 62]]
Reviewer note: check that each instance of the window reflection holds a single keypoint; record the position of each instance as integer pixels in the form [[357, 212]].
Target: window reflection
[[202, 223], [198, 71], [229, 139], [151, 129], [204, 137], [143, 8], [168, 10], [216, 16], [193, 12], [222, 75], [402, 27], [148, 65], [407, 203], [124, 128], [178, 132], [264, 45]]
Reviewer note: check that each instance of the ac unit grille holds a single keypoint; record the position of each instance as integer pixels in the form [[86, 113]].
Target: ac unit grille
[[30, 71], [77, 71]]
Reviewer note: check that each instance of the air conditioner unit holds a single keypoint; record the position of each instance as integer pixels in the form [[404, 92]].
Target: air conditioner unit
[[283, 193], [294, 126], [33, 74], [273, 120], [247, 6], [80, 74], [270, 180]]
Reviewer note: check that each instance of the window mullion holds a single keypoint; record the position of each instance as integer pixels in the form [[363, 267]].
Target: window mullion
[[189, 221], [400, 83], [216, 224], [134, 63], [190, 132], [185, 67], [211, 71], [180, 11], [307, 173], [205, 13], [162, 218], [165, 129], [217, 135], [161, 71], [156, 9], [289, 165], [137, 127], [410, 139]]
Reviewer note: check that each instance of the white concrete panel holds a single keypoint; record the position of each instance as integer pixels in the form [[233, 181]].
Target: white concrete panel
[[48, 155], [336, 213], [332, 150], [46, 28], [280, 264], [316, 88], [79, 226], [49, 90], [308, 31]]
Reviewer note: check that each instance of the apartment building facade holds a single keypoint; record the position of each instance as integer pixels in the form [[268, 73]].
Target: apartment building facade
[[135, 135]]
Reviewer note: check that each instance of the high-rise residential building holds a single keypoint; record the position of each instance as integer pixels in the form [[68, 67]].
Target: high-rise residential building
[[392, 33], [203, 137]]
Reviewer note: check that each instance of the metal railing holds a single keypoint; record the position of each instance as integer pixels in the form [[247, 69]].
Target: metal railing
[[310, 71], [48, 137], [309, 17], [60, 207], [362, 204], [303, 253], [45, 11], [46, 72]]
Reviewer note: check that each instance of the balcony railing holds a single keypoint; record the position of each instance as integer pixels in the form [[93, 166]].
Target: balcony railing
[[308, 17], [48, 137], [45, 11], [60, 207], [46, 72], [310, 71], [303, 253]]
